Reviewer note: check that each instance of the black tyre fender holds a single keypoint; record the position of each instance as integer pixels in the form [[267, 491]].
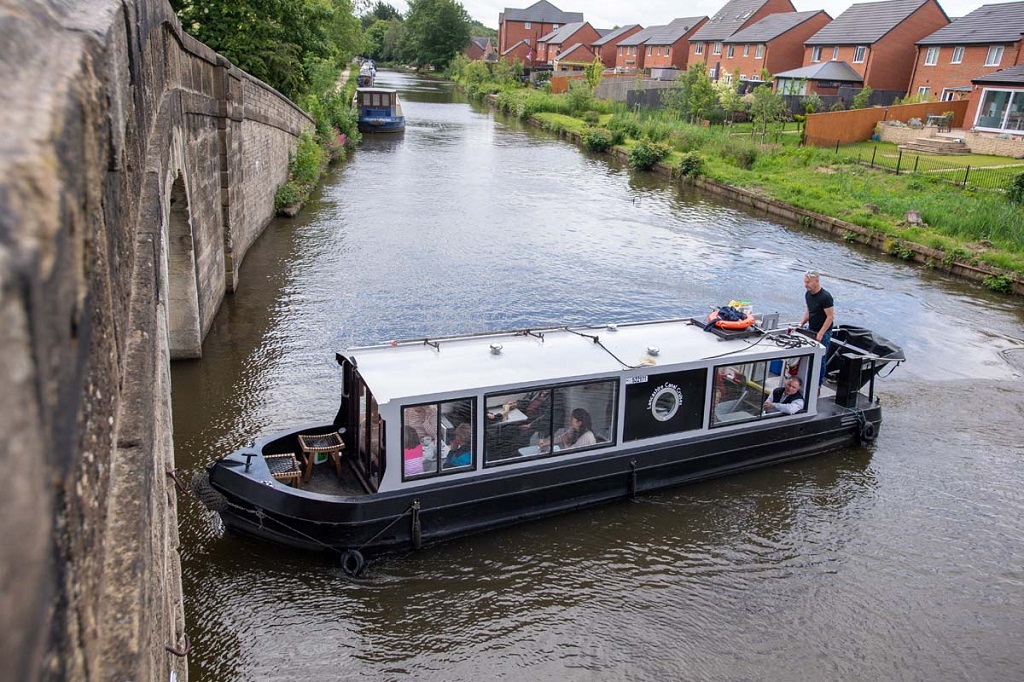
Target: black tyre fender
[[204, 491], [868, 432], [352, 562]]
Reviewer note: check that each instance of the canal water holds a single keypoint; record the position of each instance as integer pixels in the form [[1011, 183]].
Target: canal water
[[898, 561]]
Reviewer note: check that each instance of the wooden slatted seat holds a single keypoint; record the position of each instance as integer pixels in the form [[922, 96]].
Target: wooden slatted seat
[[285, 468], [329, 444]]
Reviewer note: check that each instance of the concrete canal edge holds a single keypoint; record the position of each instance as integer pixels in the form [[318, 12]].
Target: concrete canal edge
[[888, 244]]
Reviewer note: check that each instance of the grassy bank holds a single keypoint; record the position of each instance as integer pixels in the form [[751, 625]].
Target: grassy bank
[[966, 225]]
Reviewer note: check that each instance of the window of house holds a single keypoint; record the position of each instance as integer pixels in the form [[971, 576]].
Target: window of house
[[732, 51], [835, 52], [1001, 110], [650, 50], [668, 50], [760, 51], [718, 48], [740, 390], [931, 57], [549, 420], [554, 26], [923, 92], [958, 55], [746, 49], [698, 48], [947, 95], [438, 438], [816, 54], [859, 53], [994, 56]]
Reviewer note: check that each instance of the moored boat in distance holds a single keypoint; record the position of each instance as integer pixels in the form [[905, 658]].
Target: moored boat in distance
[[438, 438], [379, 110]]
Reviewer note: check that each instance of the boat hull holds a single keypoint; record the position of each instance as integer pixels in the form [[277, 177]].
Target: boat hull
[[382, 125], [408, 519]]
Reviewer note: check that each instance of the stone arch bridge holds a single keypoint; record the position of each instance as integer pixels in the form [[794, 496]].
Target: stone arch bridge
[[137, 167]]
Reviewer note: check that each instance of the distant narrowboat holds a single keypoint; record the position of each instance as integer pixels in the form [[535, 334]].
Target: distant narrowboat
[[438, 438], [379, 110]]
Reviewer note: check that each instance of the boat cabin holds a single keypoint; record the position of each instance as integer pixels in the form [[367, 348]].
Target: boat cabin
[[419, 412]]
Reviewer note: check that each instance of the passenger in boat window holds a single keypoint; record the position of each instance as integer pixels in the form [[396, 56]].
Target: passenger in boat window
[[423, 418], [413, 452], [580, 433], [460, 454], [786, 399]]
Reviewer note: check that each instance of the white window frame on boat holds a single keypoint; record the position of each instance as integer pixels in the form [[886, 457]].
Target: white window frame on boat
[[754, 382]]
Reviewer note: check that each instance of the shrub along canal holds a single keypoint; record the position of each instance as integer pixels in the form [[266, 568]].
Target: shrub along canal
[[901, 560]]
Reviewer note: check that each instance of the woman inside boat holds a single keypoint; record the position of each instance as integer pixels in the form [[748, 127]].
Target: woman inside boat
[[580, 433], [786, 399], [460, 455], [413, 452]]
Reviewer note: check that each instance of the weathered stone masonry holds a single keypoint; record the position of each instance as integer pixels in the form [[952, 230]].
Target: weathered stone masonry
[[137, 167]]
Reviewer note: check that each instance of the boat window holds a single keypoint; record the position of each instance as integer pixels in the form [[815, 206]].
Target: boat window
[[438, 438], [549, 420], [740, 390]]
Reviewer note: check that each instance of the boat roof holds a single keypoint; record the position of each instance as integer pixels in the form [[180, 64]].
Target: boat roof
[[390, 90], [466, 364]]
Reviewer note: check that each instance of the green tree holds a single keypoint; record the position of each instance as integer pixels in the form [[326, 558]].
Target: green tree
[[593, 74], [702, 93], [860, 100], [767, 107], [381, 12], [396, 44], [274, 40], [729, 97], [436, 31], [373, 40]]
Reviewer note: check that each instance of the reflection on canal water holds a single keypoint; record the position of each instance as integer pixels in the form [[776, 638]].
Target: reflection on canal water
[[898, 561]]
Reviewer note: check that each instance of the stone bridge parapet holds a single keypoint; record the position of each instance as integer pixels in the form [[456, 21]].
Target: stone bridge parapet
[[137, 167]]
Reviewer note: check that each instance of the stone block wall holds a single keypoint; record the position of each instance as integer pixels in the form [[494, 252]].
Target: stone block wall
[[124, 183]]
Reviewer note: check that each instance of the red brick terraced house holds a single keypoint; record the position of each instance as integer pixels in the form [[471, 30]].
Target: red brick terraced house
[[551, 45], [981, 43], [998, 103], [775, 44], [707, 44], [877, 40], [481, 49], [517, 27], [575, 57], [629, 54], [606, 46], [668, 47]]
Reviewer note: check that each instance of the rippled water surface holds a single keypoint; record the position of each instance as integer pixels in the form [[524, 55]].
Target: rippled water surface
[[899, 561]]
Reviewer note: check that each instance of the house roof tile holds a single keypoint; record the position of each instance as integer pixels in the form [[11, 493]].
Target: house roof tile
[[728, 20], [612, 35], [1011, 76], [865, 23], [543, 12], [772, 26], [1001, 23], [672, 31], [825, 71], [560, 35]]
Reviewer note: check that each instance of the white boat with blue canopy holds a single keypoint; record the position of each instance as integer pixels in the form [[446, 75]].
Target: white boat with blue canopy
[[436, 438]]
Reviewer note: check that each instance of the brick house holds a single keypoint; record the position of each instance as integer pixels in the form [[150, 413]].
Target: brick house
[[983, 42], [669, 46], [606, 46], [629, 53], [481, 49], [516, 26], [575, 57], [997, 103], [775, 44], [707, 43], [551, 45], [520, 52], [878, 40]]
